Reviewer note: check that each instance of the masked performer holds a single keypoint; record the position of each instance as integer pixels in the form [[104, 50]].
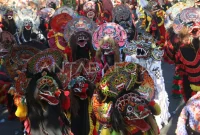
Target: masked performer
[[78, 32], [94, 11], [17, 60], [172, 45], [108, 40], [187, 55], [27, 22], [124, 101], [41, 102], [9, 24], [122, 15], [79, 77], [189, 119], [186, 58], [145, 53]]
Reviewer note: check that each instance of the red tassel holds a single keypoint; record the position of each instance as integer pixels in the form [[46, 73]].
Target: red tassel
[[81, 12], [27, 126], [46, 25], [57, 93], [177, 91], [95, 131], [141, 108], [152, 103], [193, 93], [68, 51], [1, 25], [66, 102], [50, 34], [177, 82]]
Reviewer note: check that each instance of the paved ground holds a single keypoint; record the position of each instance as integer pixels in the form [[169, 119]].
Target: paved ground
[[13, 127]]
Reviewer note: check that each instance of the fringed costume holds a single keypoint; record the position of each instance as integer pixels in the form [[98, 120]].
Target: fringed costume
[[184, 39], [172, 44]]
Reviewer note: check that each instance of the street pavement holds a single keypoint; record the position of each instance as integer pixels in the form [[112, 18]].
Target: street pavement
[[13, 127]]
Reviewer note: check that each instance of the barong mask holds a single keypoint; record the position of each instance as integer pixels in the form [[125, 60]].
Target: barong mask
[[108, 45], [188, 21], [144, 47], [141, 47], [79, 86], [112, 94], [9, 14], [117, 80], [122, 16], [89, 9], [134, 110], [47, 89], [129, 105], [78, 33], [79, 27], [82, 39], [172, 12], [111, 30]]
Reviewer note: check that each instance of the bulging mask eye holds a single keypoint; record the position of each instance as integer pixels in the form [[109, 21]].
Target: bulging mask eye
[[116, 80], [129, 109]]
